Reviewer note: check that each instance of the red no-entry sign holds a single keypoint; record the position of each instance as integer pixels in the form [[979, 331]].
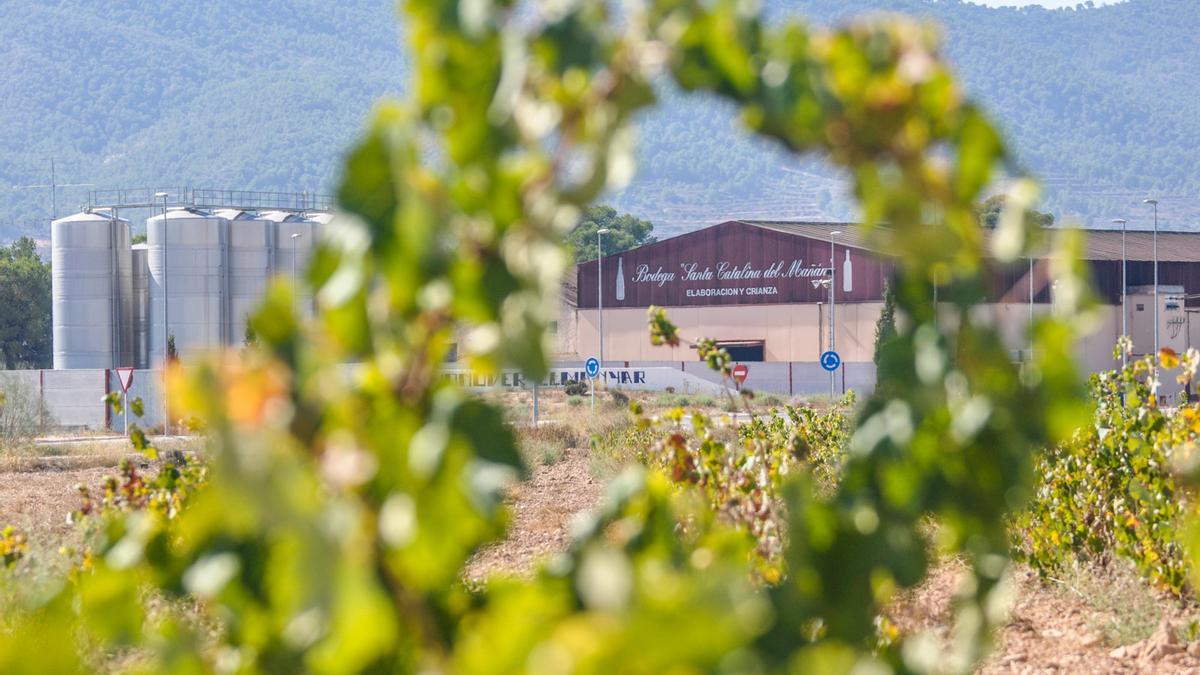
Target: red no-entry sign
[[740, 373]]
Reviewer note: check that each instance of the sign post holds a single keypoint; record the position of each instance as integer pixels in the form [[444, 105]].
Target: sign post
[[830, 361], [740, 373], [125, 378], [591, 368]]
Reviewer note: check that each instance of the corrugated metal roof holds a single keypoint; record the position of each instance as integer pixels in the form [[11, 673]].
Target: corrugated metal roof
[[822, 231], [1100, 244], [570, 292]]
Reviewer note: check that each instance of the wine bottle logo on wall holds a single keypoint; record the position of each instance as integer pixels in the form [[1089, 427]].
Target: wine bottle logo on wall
[[847, 274], [620, 278]]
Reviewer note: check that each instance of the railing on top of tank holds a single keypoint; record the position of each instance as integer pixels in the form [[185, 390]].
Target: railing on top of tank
[[209, 198]]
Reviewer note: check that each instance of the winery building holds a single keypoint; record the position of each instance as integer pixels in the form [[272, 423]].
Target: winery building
[[761, 289]]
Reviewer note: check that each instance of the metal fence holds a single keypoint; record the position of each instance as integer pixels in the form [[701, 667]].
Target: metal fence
[[209, 198]]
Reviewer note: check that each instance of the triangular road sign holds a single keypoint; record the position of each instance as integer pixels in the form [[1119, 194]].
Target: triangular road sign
[[125, 377]]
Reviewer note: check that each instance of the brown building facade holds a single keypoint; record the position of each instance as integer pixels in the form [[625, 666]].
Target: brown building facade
[[762, 289]]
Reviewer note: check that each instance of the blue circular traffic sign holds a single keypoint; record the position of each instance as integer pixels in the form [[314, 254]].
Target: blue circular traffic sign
[[830, 361], [592, 367]]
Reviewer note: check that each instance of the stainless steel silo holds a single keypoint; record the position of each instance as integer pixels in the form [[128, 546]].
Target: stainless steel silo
[[319, 217], [140, 320], [250, 266], [294, 240], [91, 299], [189, 263]]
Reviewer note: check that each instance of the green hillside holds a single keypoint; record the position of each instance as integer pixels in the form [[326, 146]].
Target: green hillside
[[265, 95], [222, 93]]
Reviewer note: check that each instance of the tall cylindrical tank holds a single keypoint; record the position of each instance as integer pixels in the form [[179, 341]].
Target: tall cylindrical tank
[[140, 320], [294, 241], [319, 217], [91, 297], [188, 262], [250, 265]]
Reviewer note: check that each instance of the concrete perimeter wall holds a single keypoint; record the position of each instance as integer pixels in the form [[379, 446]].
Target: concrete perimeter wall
[[73, 399]]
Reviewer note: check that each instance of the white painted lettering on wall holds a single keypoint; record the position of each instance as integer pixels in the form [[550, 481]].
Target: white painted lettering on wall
[[692, 272], [714, 292]]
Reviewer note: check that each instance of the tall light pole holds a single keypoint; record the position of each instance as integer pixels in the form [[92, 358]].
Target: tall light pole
[[295, 236], [1030, 275], [600, 286], [832, 300], [1124, 286], [166, 304], [54, 186], [1154, 203], [166, 300]]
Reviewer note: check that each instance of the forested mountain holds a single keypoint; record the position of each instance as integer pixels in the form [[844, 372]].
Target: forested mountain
[[215, 93], [1100, 101]]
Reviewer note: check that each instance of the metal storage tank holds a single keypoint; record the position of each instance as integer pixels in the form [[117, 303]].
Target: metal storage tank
[[92, 291], [294, 241], [250, 265], [140, 319], [189, 261]]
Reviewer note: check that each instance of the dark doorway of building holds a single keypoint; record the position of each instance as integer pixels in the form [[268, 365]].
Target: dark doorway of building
[[745, 350]]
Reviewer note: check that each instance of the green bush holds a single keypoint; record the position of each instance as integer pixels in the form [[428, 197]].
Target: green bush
[[577, 388], [1110, 488], [343, 502]]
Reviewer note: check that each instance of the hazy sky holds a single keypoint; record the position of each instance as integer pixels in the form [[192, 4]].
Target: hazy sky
[[1043, 3]]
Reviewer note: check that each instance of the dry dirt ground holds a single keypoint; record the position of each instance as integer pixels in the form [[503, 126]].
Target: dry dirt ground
[[542, 509], [37, 502], [1055, 628]]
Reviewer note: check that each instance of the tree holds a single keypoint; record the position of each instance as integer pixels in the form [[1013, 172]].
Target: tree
[[885, 327], [624, 232], [993, 207], [340, 508], [25, 340]]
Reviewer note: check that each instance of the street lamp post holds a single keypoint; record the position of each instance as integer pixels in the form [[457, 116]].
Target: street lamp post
[[1154, 203], [295, 236], [1124, 287], [166, 313], [832, 300], [600, 286], [1030, 275]]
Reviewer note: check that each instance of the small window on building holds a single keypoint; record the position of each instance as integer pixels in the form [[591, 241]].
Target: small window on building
[[744, 350], [1141, 307]]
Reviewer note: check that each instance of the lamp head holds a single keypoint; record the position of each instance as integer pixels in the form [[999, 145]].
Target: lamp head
[[603, 230], [1150, 201], [1118, 221], [835, 232], [160, 195]]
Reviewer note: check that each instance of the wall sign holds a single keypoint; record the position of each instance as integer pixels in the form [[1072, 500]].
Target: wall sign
[[654, 378], [731, 264]]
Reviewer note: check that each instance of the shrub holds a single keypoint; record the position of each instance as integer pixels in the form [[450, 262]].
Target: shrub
[[1110, 489], [577, 388], [574, 401], [22, 415], [619, 398]]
